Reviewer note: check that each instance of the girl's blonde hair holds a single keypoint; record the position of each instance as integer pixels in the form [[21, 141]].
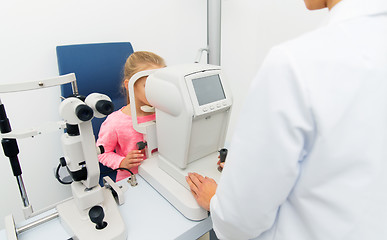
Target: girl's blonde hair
[[139, 61]]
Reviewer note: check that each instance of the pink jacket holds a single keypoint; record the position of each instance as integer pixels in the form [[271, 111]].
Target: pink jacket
[[118, 138]]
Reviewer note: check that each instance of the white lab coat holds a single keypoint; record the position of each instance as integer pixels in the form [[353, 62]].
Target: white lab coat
[[308, 159]]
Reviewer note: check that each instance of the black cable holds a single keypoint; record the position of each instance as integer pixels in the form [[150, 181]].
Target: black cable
[[114, 170], [107, 172], [58, 177]]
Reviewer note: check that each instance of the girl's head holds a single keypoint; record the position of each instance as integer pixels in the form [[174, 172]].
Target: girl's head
[[137, 62]]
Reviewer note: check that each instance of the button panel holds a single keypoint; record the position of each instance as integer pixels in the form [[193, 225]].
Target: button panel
[[213, 107]]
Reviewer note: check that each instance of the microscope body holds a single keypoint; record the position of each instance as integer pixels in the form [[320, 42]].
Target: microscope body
[[80, 152], [78, 215], [92, 213]]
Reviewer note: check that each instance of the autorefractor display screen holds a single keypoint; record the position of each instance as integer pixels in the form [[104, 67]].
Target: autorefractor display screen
[[208, 89]]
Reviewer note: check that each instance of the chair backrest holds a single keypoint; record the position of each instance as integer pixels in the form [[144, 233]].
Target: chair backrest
[[98, 67]]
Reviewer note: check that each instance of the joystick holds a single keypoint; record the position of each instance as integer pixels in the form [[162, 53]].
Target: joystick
[[96, 215], [222, 157]]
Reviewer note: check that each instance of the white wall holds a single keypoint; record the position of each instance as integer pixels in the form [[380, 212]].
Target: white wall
[[30, 31], [249, 29]]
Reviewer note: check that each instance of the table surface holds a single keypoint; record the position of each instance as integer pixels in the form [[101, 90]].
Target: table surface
[[147, 216]]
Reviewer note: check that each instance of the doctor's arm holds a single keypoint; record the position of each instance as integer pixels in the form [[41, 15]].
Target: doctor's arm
[[273, 132]]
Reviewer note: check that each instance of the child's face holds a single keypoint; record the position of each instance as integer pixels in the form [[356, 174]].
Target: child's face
[[139, 87]]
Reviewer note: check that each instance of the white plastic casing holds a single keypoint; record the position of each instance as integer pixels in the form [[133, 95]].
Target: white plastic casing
[[187, 131], [92, 99], [192, 118], [68, 108]]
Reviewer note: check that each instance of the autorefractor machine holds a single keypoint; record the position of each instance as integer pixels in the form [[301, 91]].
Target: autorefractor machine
[[193, 105]]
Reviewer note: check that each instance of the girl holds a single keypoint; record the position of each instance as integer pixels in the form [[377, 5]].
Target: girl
[[117, 134]]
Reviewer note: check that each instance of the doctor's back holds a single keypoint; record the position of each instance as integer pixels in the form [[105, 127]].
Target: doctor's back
[[315, 163]]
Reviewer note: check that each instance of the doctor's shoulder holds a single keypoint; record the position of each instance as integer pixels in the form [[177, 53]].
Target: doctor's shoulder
[[328, 40], [318, 41], [295, 59]]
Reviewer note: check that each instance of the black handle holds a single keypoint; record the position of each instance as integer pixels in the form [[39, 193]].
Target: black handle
[[223, 154], [97, 215], [10, 147], [5, 127], [141, 145]]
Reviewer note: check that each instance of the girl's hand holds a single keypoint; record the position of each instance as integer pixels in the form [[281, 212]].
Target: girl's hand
[[133, 159]]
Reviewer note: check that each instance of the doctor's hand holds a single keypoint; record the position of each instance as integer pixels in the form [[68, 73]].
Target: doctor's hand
[[132, 159], [202, 188]]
